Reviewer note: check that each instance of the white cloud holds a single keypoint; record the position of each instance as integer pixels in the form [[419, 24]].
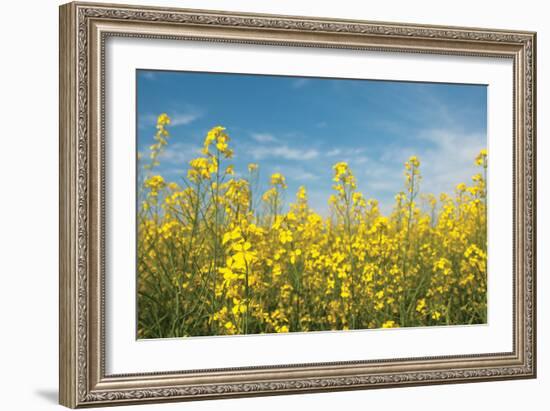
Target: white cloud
[[146, 120], [306, 176], [285, 152], [299, 83], [174, 172], [298, 174], [179, 153], [346, 154], [178, 118], [446, 159], [446, 155], [451, 160], [361, 160], [149, 75], [334, 152], [263, 137]]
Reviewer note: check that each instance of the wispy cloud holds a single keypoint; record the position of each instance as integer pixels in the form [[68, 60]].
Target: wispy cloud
[[450, 160], [361, 160], [345, 154], [263, 137], [334, 152], [374, 126], [180, 153], [299, 83], [446, 157], [298, 174], [177, 117], [285, 152], [175, 172], [149, 75], [146, 120]]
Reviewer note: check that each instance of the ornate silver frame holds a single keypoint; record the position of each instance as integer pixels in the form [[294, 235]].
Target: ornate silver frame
[[84, 27]]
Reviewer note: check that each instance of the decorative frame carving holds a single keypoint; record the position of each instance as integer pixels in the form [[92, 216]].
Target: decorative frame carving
[[83, 30]]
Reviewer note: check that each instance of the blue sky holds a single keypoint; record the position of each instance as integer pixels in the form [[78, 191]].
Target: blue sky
[[302, 126]]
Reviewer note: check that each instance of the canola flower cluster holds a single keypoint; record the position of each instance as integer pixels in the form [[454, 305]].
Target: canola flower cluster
[[217, 258]]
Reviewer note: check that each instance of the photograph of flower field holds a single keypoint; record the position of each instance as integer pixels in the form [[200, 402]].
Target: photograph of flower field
[[271, 204]]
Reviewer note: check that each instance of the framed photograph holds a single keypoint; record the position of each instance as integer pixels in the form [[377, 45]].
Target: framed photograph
[[259, 204]]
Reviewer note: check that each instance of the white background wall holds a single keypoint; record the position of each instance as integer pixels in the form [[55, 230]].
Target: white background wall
[[29, 190]]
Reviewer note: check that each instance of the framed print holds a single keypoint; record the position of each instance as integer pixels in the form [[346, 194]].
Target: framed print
[[259, 204]]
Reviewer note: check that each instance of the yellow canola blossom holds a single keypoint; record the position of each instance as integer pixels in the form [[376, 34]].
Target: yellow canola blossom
[[216, 257]]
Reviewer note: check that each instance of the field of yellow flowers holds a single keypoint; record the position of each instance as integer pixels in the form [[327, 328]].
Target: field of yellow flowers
[[213, 261]]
